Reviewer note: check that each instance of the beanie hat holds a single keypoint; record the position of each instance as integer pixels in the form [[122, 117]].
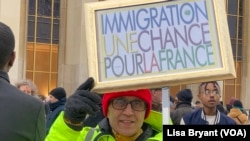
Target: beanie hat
[[231, 102], [143, 94], [58, 93], [185, 95], [238, 104]]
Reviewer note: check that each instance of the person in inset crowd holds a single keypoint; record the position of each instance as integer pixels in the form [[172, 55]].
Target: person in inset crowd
[[124, 112], [22, 116], [230, 104], [183, 105], [197, 105], [236, 113], [209, 95], [221, 108], [57, 100], [156, 94], [172, 103]]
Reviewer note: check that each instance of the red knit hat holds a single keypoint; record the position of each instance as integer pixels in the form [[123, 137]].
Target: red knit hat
[[143, 94]]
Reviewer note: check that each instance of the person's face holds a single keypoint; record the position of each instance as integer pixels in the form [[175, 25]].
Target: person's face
[[209, 96], [126, 122], [198, 106], [26, 89], [157, 96], [176, 100], [52, 99]]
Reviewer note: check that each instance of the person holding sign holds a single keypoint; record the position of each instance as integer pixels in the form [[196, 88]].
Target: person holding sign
[[124, 113], [209, 95]]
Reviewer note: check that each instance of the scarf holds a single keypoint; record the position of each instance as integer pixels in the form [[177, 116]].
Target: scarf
[[119, 137]]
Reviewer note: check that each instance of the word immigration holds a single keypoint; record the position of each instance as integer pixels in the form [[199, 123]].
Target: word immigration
[[156, 39]]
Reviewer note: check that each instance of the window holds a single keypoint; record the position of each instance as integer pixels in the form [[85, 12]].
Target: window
[[42, 46], [234, 8]]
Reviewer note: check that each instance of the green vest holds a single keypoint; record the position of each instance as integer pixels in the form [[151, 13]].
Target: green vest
[[61, 132]]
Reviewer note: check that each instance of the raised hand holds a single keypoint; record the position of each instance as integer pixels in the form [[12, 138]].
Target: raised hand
[[81, 103], [87, 85]]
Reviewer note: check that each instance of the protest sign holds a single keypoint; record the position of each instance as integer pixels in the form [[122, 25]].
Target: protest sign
[[155, 43]]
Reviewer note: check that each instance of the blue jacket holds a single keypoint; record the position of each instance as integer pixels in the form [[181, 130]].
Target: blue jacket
[[198, 118]]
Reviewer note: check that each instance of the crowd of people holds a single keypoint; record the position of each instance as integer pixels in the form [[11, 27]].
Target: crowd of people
[[209, 95], [124, 115], [208, 110]]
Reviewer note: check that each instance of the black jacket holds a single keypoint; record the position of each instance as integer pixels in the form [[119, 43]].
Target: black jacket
[[182, 108], [22, 116]]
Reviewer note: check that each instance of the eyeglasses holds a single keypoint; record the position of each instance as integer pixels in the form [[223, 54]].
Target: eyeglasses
[[121, 104], [214, 92]]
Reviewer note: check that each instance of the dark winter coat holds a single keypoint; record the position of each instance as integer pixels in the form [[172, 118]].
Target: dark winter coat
[[182, 109], [22, 116]]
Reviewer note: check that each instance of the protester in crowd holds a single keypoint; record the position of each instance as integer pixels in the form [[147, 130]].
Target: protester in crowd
[[57, 100], [183, 105], [221, 108], [230, 104], [42, 97], [209, 95], [22, 116], [45, 100], [124, 113], [236, 113], [156, 94], [27, 86], [197, 105]]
